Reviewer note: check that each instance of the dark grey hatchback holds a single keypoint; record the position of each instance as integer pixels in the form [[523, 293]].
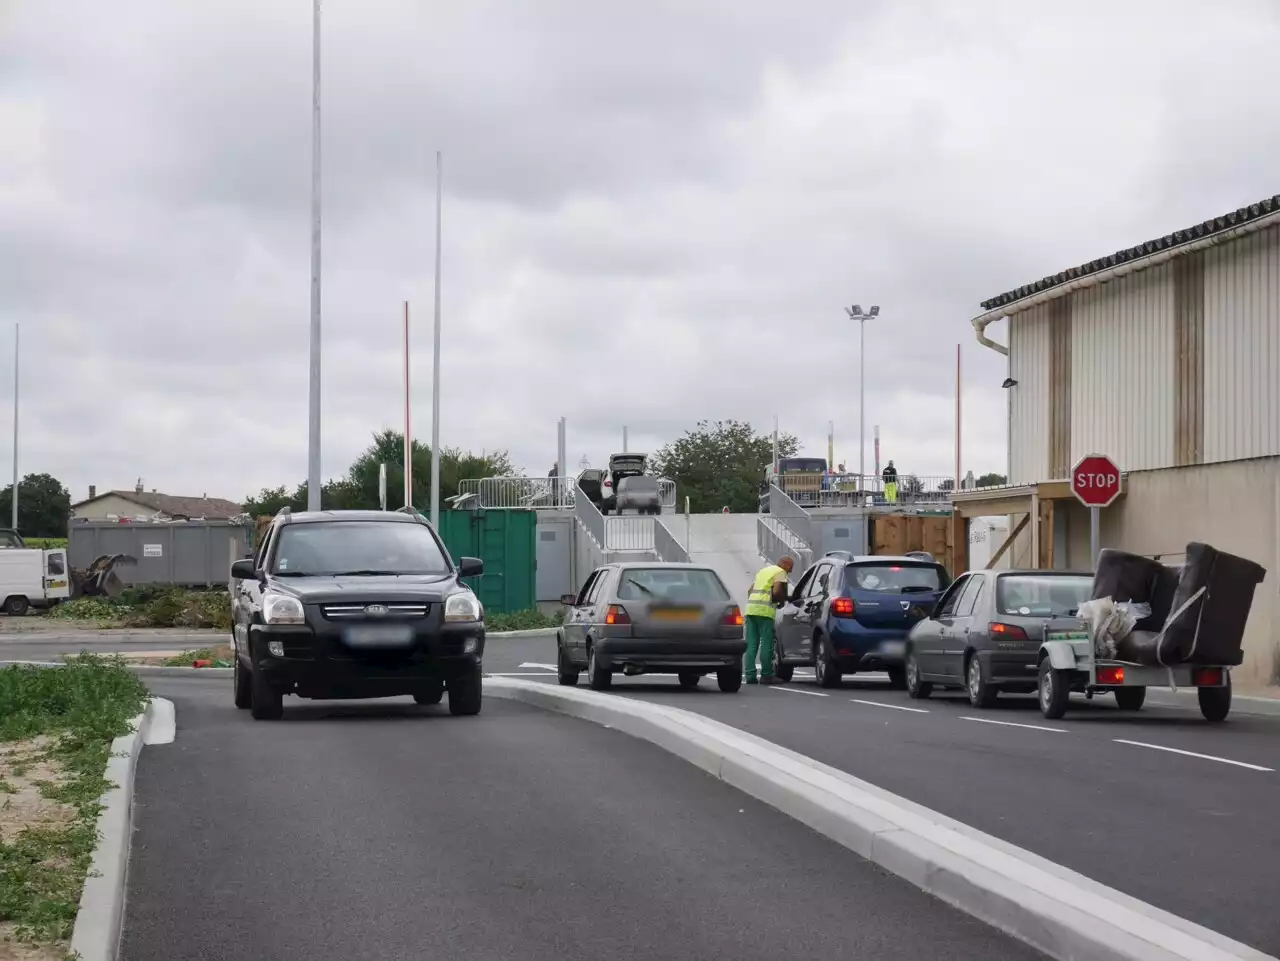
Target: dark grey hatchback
[[985, 633], [651, 617]]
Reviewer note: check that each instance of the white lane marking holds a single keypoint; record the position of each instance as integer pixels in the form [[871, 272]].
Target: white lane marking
[[1029, 727], [518, 674], [892, 707], [545, 667], [1203, 757], [797, 690]]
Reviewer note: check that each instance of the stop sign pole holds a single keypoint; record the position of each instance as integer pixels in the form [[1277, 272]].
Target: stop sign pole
[[1095, 480]]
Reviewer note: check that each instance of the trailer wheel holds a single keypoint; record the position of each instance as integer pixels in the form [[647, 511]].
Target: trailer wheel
[[16, 606], [1055, 692], [1215, 702], [1130, 698]]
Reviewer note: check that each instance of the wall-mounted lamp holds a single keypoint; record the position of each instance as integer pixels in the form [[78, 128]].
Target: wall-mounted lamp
[[1009, 382]]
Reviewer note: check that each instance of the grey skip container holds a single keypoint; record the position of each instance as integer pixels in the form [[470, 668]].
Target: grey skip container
[[181, 553]]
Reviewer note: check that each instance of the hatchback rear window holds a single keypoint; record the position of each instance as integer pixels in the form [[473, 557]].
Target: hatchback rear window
[[638, 485], [897, 578], [671, 584], [802, 464], [1042, 595]]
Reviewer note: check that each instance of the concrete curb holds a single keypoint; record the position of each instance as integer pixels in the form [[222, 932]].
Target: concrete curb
[[515, 635], [96, 935], [1057, 911]]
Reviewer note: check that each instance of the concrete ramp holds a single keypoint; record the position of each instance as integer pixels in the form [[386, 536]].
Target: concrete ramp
[[726, 543]]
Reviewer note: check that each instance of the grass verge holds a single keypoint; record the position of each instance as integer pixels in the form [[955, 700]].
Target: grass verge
[[151, 607], [531, 620], [56, 729]]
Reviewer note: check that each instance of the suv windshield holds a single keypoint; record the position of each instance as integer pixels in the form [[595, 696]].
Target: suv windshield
[[902, 578], [1042, 595], [358, 547], [671, 584]]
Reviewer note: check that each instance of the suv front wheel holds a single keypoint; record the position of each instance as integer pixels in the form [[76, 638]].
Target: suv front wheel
[[266, 700], [465, 693]]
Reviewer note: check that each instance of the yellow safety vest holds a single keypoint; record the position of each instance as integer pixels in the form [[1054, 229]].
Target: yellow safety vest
[[760, 599]]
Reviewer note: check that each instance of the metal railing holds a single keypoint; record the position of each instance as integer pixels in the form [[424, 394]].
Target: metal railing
[[666, 546], [791, 514], [540, 493], [632, 532], [772, 542], [591, 519], [854, 490]]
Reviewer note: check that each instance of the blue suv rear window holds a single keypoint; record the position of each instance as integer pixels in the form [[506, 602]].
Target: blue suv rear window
[[895, 578]]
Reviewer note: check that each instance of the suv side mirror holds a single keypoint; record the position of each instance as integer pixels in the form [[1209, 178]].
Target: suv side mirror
[[244, 570], [569, 600], [470, 566]]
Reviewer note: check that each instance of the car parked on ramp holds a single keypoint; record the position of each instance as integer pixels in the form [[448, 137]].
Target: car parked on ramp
[[985, 632], [851, 613], [647, 617]]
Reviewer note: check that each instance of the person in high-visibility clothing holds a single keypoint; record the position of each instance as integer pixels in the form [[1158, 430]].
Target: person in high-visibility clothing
[[768, 591]]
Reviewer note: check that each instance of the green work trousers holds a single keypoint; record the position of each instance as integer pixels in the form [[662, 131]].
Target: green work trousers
[[891, 492], [759, 631]]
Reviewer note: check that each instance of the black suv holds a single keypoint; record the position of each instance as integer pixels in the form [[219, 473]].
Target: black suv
[[355, 604]]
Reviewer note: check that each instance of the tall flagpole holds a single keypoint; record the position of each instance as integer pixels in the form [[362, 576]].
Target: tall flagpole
[[408, 435], [435, 357], [313, 419], [17, 333]]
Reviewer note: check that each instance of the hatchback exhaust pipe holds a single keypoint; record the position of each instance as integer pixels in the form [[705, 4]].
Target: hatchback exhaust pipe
[[631, 670]]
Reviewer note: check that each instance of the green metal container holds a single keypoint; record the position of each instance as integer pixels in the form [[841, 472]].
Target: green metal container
[[505, 541]]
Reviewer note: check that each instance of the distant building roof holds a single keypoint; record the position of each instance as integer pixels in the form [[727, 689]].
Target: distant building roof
[[1179, 237], [213, 508]]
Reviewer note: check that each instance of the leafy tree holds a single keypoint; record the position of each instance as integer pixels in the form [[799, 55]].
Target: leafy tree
[[911, 484], [359, 489], [992, 480], [946, 484], [44, 506], [719, 464]]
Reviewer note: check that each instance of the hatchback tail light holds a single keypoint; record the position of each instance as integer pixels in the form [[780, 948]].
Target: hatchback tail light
[[1006, 632], [732, 617], [843, 607], [617, 614]]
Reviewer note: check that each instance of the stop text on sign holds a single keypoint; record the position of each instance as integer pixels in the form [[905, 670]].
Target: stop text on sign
[[1107, 481]]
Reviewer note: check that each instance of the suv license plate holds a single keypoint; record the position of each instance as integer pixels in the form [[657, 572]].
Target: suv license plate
[[379, 635]]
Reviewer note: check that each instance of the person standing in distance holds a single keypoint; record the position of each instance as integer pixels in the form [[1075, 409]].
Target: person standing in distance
[[890, 478], [768, 591]]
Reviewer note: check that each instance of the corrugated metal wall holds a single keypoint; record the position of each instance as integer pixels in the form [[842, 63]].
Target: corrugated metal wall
[[1242, 348], [1123, 363], [1029, 400]]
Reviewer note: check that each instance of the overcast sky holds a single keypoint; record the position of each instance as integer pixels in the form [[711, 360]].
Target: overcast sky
[[654, 213]]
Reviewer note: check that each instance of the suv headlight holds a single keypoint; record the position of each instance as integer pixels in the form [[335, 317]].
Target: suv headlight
[[463, 606], [282, 609]]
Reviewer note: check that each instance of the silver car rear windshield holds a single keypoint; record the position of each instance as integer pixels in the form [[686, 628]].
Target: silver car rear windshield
[[895, 578], [639, 485], [1042, 595], [671, 584]]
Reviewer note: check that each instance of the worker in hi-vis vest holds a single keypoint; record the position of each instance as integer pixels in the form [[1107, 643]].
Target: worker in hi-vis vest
[[768, 591]]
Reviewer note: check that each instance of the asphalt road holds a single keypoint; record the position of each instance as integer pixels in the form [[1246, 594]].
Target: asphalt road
[[1196, 835], [387, 831]]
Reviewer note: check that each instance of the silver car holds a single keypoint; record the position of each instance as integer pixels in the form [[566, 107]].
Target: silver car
[[639, 493], [651, 617]]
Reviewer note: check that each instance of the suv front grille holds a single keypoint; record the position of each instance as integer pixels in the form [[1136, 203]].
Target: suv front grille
[[337, 612]]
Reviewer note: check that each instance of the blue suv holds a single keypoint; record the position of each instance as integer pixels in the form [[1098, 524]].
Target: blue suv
[[851, 613]]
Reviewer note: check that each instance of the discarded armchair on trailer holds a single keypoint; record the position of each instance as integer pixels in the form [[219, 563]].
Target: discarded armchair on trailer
[[1198, 609]]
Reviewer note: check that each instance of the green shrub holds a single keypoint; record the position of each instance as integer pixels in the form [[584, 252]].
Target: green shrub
[[530, 620], [152, 606]]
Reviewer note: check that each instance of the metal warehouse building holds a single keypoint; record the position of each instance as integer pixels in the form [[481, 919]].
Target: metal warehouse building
[[1166, 357]]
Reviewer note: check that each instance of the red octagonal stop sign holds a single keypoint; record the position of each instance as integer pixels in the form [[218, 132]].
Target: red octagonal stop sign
[[1095, 480]]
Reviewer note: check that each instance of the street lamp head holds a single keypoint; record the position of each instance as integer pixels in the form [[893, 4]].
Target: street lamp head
[[855, 310], [875, 310]]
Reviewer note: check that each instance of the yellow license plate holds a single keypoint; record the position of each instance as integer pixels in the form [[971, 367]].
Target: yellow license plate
[[676, 614]]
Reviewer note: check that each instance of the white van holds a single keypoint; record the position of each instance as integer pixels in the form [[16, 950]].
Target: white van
[[32, 578]]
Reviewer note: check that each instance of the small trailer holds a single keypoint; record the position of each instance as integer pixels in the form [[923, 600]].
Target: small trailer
[[1152, 625]]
